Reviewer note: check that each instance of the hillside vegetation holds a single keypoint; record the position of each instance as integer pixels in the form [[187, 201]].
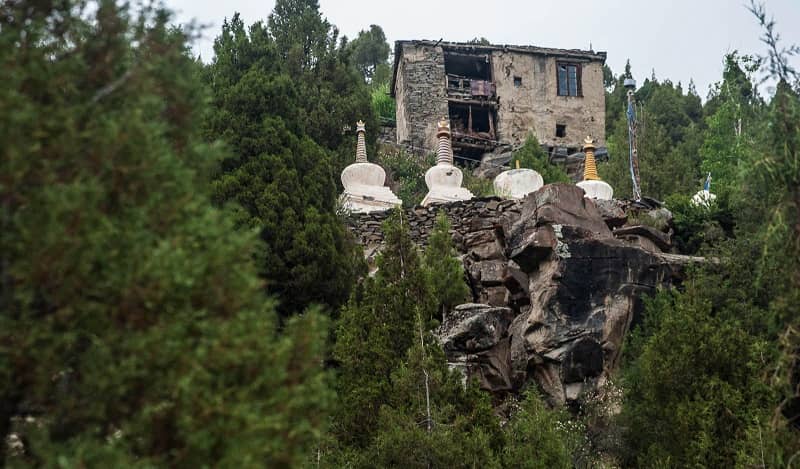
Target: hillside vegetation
[[177, 288]]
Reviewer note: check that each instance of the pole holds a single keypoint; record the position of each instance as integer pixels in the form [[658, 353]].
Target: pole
[[633, 157]]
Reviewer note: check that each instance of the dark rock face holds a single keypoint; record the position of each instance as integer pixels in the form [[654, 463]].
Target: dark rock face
[[559, 280], [560, 292], [475, 340]]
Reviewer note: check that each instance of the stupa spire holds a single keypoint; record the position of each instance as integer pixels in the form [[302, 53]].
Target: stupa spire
[[590, 165], [444, 179], [444, 153], [361, 146], [592, 185], [363, 182]]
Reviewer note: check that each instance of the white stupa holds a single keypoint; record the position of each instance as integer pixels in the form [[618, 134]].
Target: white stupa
[[444, 179], [517, 183], [704, 198], [592, 185], [363, 182]]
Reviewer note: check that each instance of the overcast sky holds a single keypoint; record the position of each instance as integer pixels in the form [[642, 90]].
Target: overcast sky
[[679, 39]]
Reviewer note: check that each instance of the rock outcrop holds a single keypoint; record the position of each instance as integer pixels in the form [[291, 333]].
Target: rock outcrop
[[557, 281]]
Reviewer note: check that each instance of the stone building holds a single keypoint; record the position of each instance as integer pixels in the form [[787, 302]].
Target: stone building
[[496, 95]]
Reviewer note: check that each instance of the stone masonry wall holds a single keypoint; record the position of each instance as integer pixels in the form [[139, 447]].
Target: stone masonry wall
[[534, 105], [468, 219], [420, 95]]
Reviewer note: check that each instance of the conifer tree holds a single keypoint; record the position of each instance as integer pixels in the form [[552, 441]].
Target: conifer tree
[[133, 329], [732, 124], [696, 373], [281, 97], [538, 437], [445, 270], [376, 329], [669, 133], [400, 404], [430, 418]]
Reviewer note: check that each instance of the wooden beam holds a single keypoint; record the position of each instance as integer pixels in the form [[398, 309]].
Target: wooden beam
[[477, 146], [468, 102]]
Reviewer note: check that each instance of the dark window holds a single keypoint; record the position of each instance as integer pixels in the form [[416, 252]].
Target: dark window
[[569, 79], [517, 81], [561, 130]]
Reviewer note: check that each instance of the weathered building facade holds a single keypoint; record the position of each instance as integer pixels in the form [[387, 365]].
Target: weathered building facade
[[497, 95]]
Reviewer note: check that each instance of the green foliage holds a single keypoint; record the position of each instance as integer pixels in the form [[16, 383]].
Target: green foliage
[[376, 329], [445, 270], [480, 41], [709, 372], [408, 171], [538, 437], [530, 155], [670, 132], [697, 375], [732, 123], [459, 431], [480, 187], [383, 104], [400, 404], [698, 227], [280, 104], [133, 328], [370, 53]]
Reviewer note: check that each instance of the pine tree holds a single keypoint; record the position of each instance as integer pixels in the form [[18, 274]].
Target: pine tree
[[283, 120], [430, 419], [696, 373], [539, 437], [400, 404], [445, 270], [669, 134], [375, 330], [133, 330]]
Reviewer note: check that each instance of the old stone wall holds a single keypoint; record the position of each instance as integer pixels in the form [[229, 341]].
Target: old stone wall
[[420, 91], [468, 219], [534, 103], [387, 134], [530, 105]]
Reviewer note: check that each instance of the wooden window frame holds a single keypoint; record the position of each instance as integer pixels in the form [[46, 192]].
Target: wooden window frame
[[578, 78]]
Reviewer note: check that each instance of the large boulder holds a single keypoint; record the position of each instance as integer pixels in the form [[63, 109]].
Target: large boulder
[[560, 293], [475, 339]]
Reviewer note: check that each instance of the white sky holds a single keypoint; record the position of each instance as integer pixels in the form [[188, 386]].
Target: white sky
[[679, 39]]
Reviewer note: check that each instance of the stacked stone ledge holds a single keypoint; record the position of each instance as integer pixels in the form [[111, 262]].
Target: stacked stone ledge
[[466, 217]]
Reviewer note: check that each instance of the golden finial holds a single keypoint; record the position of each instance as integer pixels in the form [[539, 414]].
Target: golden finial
[[588, 142], [360, 127], [443, 128], [590, 166]]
